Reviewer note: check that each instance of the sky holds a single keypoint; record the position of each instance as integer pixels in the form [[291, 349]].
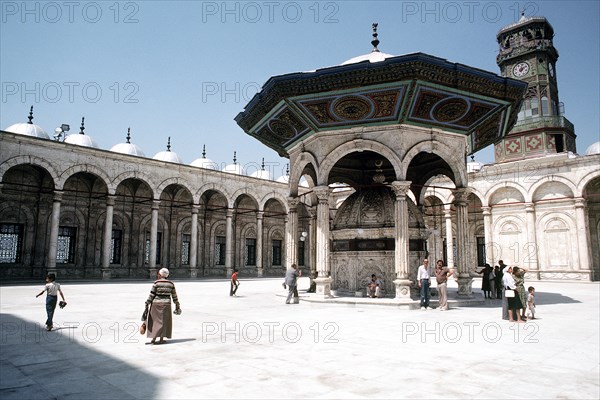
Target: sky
[[185, 69]]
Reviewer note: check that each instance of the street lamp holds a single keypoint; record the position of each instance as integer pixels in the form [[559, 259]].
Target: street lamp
[[61, 131]]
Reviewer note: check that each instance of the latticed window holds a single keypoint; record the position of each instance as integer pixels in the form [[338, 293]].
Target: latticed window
[[115, 246], [158, 246], [480, 251], [276, 252], [185, 249], [65, 249], [250, 251], [301, 252], [220, 250], [11, 243]]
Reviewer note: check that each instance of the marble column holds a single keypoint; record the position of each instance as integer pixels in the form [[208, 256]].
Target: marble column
[[583, 239], [322, 242], [153, 237], [465, 279], [107, 240], [487, 231], [449, 238], [310, 242], [229, 243], [194, 242], [291, 233], [531, 249], [259, 243], [401, 260], [53, 241]]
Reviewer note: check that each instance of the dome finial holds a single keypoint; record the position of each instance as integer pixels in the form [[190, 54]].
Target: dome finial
[[169, 144], [375, 41], [523, 18], [203, 151], [262, 167], [287, 169], [30, 116], [82, 128], [234, 158], [128, 135]]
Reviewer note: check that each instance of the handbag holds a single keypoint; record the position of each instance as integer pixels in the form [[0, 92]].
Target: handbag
[[509, 293], [142, 328]]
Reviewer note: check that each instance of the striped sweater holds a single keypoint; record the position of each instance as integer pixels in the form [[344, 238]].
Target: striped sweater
[[162, 291]]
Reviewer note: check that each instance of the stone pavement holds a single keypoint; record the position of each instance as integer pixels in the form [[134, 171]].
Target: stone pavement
[[255, 346]]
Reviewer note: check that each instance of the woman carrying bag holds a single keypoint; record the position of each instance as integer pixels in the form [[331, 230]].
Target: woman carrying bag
[[159, 321]]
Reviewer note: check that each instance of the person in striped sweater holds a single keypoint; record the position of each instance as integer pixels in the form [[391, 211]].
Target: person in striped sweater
[[160, 320]]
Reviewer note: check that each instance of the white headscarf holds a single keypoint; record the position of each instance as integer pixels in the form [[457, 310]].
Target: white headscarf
[[164, 272]]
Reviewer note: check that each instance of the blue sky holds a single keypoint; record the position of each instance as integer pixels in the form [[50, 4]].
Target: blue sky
[[185, 69]]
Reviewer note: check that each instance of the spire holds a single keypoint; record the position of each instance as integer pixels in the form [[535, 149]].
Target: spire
[[523, 18], [128, 135], [234, 158], [287, 169], [203, 151], [262, 167], [169, 144], [82, 126], [30, 116], [375, 41]]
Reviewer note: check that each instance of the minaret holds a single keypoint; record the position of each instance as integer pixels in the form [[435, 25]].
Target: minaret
[[527, 53]]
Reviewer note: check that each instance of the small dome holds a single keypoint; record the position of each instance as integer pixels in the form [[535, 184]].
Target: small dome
[[81, 139], [168, 155], [283, 179], [28, 128], [234, 168], [303, 182], [594, 148], [474, 166], [204, 162], [261, 174], [128, 147], [372, 57]]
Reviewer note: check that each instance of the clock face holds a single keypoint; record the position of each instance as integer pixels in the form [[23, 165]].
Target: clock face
[[521, 69]]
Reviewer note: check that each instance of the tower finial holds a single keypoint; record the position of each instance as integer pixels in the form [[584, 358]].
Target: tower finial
[[169, 144], [262, 167], [203, 151], [30, 115], [128, 135], [82, 128], [522, 14], [234, 158], [287, 169], [375, 41]]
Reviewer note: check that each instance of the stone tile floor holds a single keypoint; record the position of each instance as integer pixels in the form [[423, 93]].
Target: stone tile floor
[[255, 346]]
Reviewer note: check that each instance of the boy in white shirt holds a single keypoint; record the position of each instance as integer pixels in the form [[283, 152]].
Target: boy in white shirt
[[53, 288]]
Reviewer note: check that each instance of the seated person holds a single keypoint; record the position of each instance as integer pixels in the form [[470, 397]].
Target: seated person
[[313, 284], [374, 287]]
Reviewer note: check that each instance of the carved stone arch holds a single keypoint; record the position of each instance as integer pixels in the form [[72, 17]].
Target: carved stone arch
[[91, 169], [173, 181], [29, 160], [248, 231], [212, 186], [184, 226], [245, 191], [558, 245], [455, 161], [273, 196], [217, 228], [304, 160], [15, 212], [356, 146], [550, 179], [584, 182], [137, 176], [491, 191]]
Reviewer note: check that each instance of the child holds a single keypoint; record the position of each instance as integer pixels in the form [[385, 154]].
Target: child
[[53, 288], [234, 283], [531, 302]]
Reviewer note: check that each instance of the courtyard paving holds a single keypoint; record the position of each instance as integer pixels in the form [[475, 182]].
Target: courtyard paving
[[255, 346]]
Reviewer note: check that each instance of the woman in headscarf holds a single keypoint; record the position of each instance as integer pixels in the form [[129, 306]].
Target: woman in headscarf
[[519, 276], [160, 320], [513, 302]]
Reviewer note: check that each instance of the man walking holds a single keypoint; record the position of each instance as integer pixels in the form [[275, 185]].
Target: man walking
[[291, 280]]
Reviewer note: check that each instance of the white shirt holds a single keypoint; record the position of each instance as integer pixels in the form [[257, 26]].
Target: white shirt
[[423, 273], [507, 280], [52, 288]]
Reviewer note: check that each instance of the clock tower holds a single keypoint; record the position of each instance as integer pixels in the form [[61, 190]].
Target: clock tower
[[527, 53]]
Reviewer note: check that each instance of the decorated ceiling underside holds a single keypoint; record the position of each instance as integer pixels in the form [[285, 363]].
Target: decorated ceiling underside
[[415, 89]]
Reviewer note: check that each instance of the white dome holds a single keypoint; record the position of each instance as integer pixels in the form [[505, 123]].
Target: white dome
[[168, 156], [283, 179], [128, 148], [594, 148], [372, 57], [303, 182], [81, 139], [205, 163], [474, 166], [27, 129], [261, 174], [233, 169]]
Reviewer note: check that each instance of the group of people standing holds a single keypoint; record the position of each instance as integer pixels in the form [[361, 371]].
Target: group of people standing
[[442, 274]]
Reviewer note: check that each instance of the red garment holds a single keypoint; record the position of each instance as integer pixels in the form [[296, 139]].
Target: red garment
[[234, 277]]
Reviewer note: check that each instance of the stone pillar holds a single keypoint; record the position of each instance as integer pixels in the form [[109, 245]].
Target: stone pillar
[[53, 242], [583, 238], [153, 236], [108, 223], [531, 249], [487, 229], [322, 242], [194, 243], [259, 243], [229, 243], [311, 243], [449, 238], [462, 241], [401, 261], [291, 233]]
